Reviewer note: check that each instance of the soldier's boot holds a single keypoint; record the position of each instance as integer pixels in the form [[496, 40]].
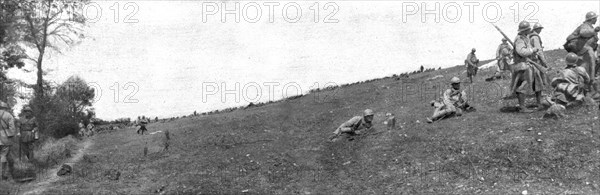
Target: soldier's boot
[[4, 170], [522, 107]]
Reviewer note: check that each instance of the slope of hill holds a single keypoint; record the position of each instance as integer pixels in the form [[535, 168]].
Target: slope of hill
[[281, 148]]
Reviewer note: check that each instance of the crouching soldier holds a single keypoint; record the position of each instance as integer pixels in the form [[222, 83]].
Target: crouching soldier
[[350, 127], [28, 131], [454, 102], [570, 88]]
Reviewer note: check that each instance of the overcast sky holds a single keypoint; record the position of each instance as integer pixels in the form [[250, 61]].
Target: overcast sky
[[169, 52]]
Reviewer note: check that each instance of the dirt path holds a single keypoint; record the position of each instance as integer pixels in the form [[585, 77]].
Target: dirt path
[[40, 186]]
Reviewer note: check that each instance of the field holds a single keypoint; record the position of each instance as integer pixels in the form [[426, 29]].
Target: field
[[281, 148]]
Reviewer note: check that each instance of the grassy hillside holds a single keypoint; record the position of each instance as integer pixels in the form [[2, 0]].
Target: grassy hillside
[[281, 148]]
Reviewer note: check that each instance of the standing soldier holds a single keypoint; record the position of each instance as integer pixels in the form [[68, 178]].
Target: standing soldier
[[583, 42], [350, 127], [471, 63], [503, 55], [523, 81], [142, 124], [536, 42], [81, 128], [7, 132], [28, 129], [90, 129]]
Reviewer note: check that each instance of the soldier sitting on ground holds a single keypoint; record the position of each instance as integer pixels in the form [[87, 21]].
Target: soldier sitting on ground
[[570, 88], [454, 102], [350, 127]]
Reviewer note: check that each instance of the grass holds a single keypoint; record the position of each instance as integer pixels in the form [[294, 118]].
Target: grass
[[281, 148]]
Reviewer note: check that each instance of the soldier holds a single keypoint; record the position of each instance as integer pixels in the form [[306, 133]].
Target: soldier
[[471, 63], [536, 42], [90, 129], [583, 42], [28, 129], [7, 132], [524, 75], [453, 102], [571, 86], [142, 123], [503, 56], [82, 130], [350, 127]]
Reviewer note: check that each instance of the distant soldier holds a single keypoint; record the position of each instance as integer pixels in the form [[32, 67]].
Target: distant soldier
[[571, 86], [525, 78], [453, 102], [28, 130], [584, 42], [503, 56], [82, 129], [471, 62], [90, 129], [350, 127], [536, 42], [422, 68], [142, 123], [7, 132]]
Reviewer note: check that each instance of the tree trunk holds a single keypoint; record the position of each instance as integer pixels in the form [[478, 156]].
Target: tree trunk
[[40, 94]]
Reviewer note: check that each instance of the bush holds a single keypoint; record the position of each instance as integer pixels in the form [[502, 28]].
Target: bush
[[53, 151]]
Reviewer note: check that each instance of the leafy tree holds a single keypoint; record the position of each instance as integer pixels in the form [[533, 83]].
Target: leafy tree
[[70, 103], [42, 24]]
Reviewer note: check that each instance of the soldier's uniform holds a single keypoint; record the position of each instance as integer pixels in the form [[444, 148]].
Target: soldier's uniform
[[540, 58], [583, 41], [142, 128], [526, 78], [28, 127], [503, 56], [452, 102], [356, 123], [82, 129], [471, 62], [90, 129], [571, 85], [523, 73], [7, 131]]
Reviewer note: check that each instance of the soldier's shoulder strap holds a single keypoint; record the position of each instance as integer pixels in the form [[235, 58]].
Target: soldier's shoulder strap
[[536, 35]]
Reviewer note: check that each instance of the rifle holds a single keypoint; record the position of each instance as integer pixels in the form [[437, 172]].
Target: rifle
[[536, 65]]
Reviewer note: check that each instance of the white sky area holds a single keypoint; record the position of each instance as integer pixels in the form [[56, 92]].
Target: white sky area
[[170, 52]]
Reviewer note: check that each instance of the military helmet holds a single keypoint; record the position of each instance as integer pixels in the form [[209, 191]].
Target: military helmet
[[571, 59], [504, 40], [454, 80], [590, 15], [523, 26], [369, 112], [473, 50], [27, 108], [537, 26]]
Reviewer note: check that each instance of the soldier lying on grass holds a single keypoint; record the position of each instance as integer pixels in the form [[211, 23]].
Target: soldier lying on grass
[[351, 127]]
